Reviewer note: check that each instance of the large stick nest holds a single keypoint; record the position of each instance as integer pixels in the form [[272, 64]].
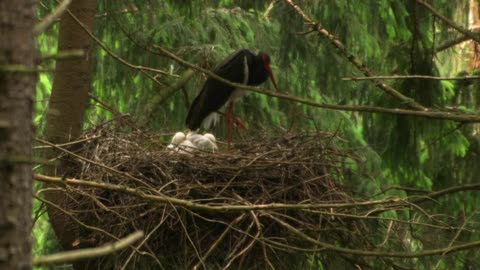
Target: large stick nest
[[292, 169]]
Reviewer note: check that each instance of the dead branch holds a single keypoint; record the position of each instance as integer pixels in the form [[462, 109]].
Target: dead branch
[[427, 113], [448, 21], [51, 18], [424, 253], [207, 206], [354, 60], [86, 253], [397, 77]]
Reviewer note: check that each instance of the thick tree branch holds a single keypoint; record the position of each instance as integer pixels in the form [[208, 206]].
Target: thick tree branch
[[207, 206], [87, 253], [161, 198]]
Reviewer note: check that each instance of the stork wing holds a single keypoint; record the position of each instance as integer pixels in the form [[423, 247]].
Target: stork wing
[[214, 93]]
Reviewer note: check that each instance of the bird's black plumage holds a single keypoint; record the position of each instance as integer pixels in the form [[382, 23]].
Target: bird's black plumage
[[216, 94]]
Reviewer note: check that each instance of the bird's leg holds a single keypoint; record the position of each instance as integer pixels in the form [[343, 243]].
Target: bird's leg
[[240, 123], [229, 117]]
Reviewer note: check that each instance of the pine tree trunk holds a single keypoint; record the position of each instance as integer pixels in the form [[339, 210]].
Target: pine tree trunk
[[67, 105], [474, 16], [17, 92]]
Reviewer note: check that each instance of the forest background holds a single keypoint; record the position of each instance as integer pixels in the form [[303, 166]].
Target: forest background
[[413, 134]]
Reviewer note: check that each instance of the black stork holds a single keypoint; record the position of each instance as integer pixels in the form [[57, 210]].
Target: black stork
[[243, 66]]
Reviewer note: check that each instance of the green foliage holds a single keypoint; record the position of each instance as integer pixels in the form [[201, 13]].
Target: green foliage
[[391, 37]]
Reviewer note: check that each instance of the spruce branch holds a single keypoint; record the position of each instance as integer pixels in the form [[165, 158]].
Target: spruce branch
[[355, 60]]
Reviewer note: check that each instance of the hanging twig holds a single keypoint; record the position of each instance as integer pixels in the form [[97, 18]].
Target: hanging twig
[[142, 69]]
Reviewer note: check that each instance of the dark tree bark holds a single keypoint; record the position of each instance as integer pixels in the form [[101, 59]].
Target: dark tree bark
[[67, 105], [17, 92]]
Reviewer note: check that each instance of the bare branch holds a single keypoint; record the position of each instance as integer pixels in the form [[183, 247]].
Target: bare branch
[[443, 192], [428, 113], [23, 69], [354, 60], [396, 77], [95, 163], [68, 143], [114, 111], [424, 253], [216, 243], [142, 69], [51, 18], [207, 207], [451, 43], [67, 54], [423, 112], [448, 21], [70, 256]]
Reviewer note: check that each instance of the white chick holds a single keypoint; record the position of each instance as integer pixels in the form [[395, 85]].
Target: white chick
[[204, 143], [178, 138], [193, 137], [186, 147], [210, 137]]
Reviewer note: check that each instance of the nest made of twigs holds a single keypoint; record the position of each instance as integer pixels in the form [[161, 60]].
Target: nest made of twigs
[[292, 169]]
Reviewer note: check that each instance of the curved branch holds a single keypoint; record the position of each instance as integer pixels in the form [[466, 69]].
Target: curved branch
[[142, 69], [425, 253], [86, 253]]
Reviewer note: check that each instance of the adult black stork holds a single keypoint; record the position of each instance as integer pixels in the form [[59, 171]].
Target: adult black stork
[[243, 66]]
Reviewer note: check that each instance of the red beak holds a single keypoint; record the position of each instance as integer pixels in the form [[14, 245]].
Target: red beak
[[269, 70]]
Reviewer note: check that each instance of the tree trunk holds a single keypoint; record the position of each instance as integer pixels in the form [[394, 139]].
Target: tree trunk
[[474, 16], [17, 92], [67, 105]]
